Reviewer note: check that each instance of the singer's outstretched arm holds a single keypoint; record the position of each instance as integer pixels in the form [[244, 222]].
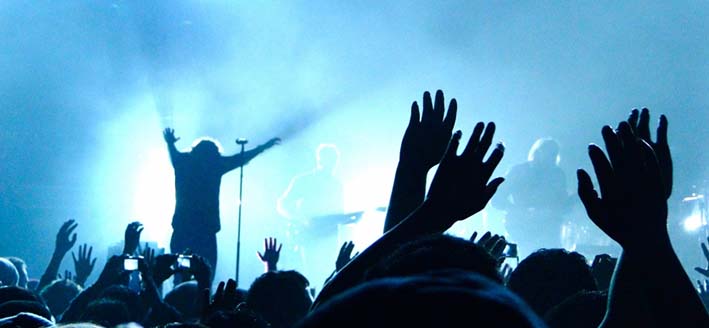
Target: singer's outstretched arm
[[231, 162], [170, 139]]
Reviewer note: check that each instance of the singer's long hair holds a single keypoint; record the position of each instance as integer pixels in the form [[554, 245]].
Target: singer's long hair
[[206, 147]]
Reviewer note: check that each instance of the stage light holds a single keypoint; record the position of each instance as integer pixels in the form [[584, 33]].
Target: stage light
[[693, 222], [694, 207]]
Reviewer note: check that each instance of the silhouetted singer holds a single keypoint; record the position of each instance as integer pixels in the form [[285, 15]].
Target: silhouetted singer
[[198, 176]]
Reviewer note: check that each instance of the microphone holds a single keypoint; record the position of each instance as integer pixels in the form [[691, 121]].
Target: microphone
[[242, 141]]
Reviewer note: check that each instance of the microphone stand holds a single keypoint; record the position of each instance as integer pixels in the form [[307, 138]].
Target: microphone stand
[[242, 142]]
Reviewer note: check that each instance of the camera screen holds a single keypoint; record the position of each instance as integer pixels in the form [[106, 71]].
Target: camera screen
[[183, 262], [130, 264]]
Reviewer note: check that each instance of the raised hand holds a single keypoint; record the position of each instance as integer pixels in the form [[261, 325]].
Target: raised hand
[[113, 272], [640, 125], [602, 269], [67, 276], [345, 255], [132, 237], [632, 208], [224, 299], [271, 143], [427, 135], [462, 186], [422, 147], [493, 244], [270, 254], [83, 265], [65, 239], [506, 272], [705, 251], [169, 136], [202, 271], [163, 267]]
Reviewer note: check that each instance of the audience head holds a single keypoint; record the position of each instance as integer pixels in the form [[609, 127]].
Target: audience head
[[242, 317], [12, 308], [106, 312], [544, 151], [434, 299], [183, 298], [59, 294], [79, 325], [14, 293], [130, 299], [32, 283], [583, 310], [436, 252], [21, 267], [8, 273], [26, 319], [328, 156], [280, 297], [185, 325], [549, 276]]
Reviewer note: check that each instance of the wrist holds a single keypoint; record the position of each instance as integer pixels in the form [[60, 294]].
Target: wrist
[[650, 247], [58, 256], [424, 220], [412, 166]]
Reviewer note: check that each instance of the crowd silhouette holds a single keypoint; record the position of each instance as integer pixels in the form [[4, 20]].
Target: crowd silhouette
[[415, 275]]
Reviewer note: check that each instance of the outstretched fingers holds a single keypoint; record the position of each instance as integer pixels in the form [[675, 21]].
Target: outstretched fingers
[[474, 139], [438, 107], [452, 149], [415, 117], [492, 187], [589, 197], [485, 141], [478, 145], [427, 114], [643, 129], [633, 119], [613, 147], [451, 115], [490, 165], [602, 168], [662, 131]]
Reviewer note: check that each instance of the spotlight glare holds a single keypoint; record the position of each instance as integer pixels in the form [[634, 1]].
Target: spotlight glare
[[693, 222]]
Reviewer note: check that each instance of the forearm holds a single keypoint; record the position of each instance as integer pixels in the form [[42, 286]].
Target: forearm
[[250, 154], [671, 296], [50, 274], [650, 288], [172, 150], [627, 301], [410, 228], [408, 192]]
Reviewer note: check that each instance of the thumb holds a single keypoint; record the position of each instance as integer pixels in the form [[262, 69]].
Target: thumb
[[702, 271]]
